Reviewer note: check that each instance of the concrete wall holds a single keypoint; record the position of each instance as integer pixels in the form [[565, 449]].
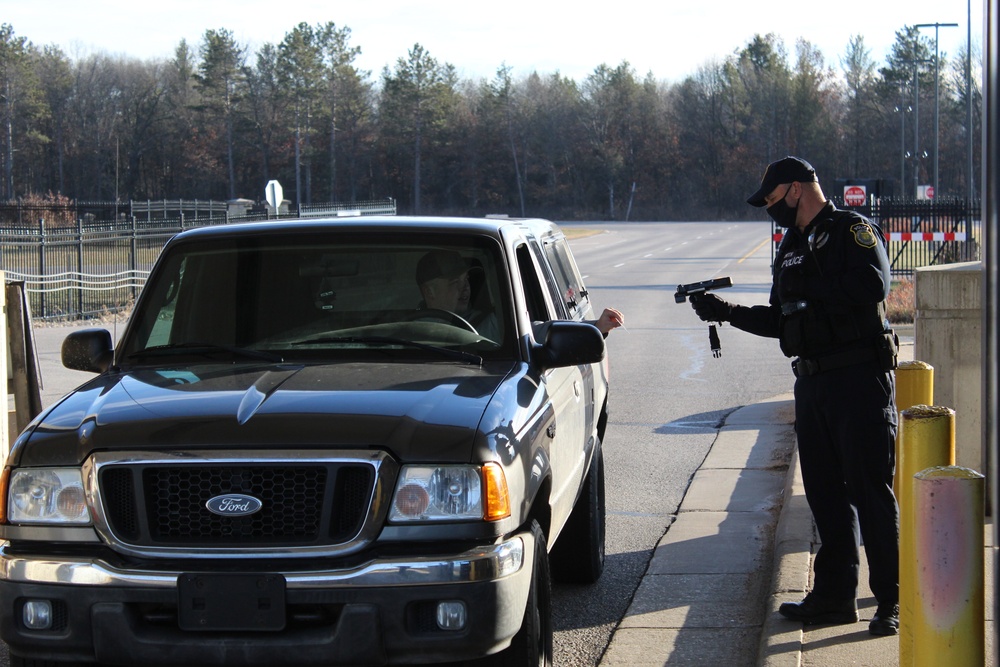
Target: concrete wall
[[948, 336]]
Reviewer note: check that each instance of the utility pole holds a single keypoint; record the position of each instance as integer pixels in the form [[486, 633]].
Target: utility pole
[[937, 58]]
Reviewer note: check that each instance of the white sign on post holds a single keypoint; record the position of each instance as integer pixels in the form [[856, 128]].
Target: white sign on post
[[274, 195]]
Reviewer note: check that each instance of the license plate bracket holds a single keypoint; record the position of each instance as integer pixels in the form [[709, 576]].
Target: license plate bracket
[[231, 602]]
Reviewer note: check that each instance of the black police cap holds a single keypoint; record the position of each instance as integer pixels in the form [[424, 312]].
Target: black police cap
[[786, 170]]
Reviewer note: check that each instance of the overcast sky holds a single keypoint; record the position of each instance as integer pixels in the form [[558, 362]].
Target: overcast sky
[[670, 38]]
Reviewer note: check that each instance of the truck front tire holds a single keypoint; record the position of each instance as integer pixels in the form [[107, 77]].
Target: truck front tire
[[578, 555], [532, 645]]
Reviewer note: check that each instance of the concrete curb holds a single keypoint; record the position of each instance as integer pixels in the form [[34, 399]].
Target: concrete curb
[[781, 641]]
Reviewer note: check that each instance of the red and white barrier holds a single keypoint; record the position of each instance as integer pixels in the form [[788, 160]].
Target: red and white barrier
[[926, 236], [906, 236]]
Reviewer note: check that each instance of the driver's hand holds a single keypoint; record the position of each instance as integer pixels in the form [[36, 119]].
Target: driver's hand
[[610, 319]]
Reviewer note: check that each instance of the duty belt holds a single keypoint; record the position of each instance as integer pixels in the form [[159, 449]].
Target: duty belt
[[830, 362]]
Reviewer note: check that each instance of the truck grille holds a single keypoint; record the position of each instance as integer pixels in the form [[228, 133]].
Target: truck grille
[[302, 504]]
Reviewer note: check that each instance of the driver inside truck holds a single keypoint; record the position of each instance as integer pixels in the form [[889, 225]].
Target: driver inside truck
[[444, 280], [443, 277]]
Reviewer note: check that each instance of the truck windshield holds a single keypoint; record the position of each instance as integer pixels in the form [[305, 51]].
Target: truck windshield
[[321, 295]]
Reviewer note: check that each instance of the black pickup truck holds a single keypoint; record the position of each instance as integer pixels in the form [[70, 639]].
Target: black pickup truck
[[361, 441]]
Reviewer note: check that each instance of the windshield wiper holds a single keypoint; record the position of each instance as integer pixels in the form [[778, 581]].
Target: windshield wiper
[[387, 340], [204, 349]]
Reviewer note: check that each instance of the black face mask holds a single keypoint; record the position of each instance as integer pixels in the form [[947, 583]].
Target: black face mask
[[783, 214]]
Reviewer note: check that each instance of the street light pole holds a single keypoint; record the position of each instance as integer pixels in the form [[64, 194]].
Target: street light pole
[[916, 124], [916, 131], [902, 110], [970, 182], [936, 26]]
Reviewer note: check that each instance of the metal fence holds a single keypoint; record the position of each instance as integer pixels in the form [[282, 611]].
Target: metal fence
[[22, 213], [921, 232], [94, 267]]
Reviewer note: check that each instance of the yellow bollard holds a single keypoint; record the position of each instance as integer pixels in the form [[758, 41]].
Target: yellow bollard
[[914, 386], [950, 623], [927, 439]]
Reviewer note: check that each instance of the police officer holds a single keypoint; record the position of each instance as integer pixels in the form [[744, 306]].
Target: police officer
[[827, 309]]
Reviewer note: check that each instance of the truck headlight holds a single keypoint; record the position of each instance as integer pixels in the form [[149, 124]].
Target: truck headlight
[[449, 493], [47, 495]]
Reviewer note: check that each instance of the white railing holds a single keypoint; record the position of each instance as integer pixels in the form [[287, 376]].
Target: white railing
[[71, 280]]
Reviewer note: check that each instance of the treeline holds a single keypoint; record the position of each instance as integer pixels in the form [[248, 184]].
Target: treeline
[[216, 121]]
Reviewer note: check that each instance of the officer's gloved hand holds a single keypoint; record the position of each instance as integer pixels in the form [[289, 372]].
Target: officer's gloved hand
[[711, 308]]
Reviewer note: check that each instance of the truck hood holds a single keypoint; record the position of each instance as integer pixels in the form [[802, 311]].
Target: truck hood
[[426, 410]]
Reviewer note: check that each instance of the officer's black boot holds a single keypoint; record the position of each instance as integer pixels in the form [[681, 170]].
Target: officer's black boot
[[816, 610]]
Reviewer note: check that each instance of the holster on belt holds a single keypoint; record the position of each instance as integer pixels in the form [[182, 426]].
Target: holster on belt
[[885, 351]]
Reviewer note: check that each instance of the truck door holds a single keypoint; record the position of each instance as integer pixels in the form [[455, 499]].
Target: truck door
[[575, 300], [566, 388]]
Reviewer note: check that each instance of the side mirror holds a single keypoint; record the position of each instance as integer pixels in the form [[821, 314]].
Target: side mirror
[[88, 350], [570, 344]]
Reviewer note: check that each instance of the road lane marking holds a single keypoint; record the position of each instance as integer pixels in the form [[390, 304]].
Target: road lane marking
[[747, 256]]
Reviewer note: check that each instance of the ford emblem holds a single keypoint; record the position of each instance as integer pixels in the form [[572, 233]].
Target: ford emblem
[[233, 504]]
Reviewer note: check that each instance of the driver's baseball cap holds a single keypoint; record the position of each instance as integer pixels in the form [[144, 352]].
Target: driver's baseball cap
[[786, 170], [440, 264]]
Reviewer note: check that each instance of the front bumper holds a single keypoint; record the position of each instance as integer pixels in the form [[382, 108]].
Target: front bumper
[[379, 613]]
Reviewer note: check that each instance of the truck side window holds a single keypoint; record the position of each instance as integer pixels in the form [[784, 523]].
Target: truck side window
[[567, 276], [537, 310], [548, 283]]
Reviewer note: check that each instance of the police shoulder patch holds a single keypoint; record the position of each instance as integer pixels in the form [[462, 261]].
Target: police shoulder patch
[[864, 235]]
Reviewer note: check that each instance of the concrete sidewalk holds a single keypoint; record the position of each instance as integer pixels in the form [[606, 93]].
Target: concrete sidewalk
[[701, 601]]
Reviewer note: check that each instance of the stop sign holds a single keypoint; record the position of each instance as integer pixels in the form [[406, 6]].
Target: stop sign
[[855, 195]]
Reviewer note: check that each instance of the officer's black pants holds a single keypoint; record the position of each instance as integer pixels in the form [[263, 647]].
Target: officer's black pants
[[845, 422]]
